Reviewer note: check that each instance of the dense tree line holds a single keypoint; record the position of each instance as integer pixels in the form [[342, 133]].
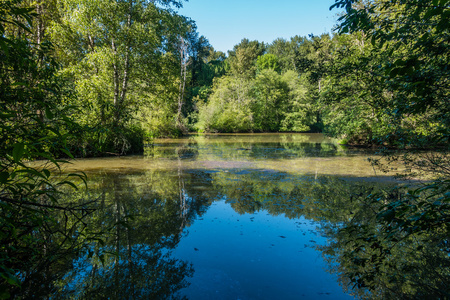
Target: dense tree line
[[136, 69], [130, 68], [266, 88], [344, 85]]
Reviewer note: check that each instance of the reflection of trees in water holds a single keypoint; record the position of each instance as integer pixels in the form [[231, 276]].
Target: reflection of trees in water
[[141, 272], [391, 256], [373, 259], [316, 198], [148, 212], [145, 215], [188, 149], [237, 148], [38, 240]]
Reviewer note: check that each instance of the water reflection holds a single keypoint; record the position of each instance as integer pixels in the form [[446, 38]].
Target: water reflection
[[149, 213], [289, 153], [242, 146], [223, 217], [143, 216], [375, 261]]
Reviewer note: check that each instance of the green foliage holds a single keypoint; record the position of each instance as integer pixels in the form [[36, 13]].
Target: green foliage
[[284, 84], [268, 61], [348, 95], [404, 47], [268, 103], [395, 246], [294, 55], [228, 109], [205, 64], [299, 114], [393, 82], [243, 57], [120, 56], [38, 232], [270, 94]]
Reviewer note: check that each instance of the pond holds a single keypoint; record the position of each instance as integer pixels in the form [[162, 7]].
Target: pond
[[227, 216]]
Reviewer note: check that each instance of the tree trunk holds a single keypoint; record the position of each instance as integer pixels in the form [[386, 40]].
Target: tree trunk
[[116, 76], [39, 25], [127, 54], [120, 95], [117, 258], [130, 261], [183, 65]]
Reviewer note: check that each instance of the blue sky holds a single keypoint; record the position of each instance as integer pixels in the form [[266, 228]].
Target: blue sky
[[226, 22]]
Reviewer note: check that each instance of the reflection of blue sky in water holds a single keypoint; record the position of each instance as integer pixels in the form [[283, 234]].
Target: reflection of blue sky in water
[[255, 256], [211, 197]]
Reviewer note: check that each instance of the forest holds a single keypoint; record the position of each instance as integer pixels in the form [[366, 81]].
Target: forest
[[129, 71], [91, 78]]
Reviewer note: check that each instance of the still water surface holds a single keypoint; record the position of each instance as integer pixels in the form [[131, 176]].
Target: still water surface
[[220, 217]]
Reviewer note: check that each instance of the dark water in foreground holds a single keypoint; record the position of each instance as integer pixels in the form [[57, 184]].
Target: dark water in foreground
[[219, 217]]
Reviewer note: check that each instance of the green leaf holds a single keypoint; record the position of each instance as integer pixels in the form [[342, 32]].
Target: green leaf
[[67, 152], [65, 182], [388, 215], [32, 172], [50, 158], [9, 278], [399, 62], [18, 152], [12, 280], [3, 46]]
